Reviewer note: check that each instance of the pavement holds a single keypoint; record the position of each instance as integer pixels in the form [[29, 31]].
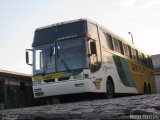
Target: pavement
[[138, 107]]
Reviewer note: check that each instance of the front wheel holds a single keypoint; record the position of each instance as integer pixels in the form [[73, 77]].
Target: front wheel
[[109, 89]]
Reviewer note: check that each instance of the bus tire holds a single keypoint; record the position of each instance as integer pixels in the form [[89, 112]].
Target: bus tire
[[149, 89], [145, 90], [110, 88]]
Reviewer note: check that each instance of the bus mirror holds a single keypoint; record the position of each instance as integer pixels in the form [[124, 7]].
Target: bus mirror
[[28, 61], [27, 57], [93, 48]]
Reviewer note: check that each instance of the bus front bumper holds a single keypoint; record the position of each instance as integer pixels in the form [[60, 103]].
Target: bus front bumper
[[62, 88]]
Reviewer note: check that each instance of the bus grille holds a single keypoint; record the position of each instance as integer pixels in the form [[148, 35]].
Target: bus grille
[[49, 80], [64, 78]]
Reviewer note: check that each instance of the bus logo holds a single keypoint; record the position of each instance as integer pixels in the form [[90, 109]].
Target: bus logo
[[97, 83]]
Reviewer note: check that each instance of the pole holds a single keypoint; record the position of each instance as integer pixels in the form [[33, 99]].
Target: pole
[[131, 37]]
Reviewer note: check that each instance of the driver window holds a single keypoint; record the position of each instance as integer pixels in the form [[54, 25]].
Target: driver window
[[95, 60]]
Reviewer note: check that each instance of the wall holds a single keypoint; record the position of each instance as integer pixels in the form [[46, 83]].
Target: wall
[[17, 95]]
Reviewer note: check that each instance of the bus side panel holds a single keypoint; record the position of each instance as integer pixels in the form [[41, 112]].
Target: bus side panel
[[133, 74], [142, 75], [118, 69], [124, 80]]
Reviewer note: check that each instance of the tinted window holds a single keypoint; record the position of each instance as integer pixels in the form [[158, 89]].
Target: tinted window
[[121, 48], [95, 59], [137, 55], [109, 41], [130, 53], [116, 45], [50, 34], [140, 57], [106, 39], [71, 54], [127, 50], [64, 55], [92, 31], [134, 54]]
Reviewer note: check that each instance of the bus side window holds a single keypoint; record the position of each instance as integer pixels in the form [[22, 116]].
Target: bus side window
[[95, 61], [109, 41], [92, 31], [127, 50], [121, 48], [93, 48], [143, 58], [140, 57], [130, 53], [134, 54], [103, 38], [118, 46], [137, 55], [106, 39]]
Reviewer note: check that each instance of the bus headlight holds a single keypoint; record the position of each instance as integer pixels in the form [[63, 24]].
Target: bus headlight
[[86, 76], [81, 76]]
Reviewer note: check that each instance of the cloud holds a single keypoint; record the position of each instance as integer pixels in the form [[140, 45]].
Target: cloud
[[152, 3], [128, 3], [148, 9]]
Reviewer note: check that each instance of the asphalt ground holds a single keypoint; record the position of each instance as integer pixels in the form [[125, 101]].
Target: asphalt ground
[[138, 107]]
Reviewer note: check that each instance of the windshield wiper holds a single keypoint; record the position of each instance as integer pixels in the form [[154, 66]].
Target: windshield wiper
[[63, 62]]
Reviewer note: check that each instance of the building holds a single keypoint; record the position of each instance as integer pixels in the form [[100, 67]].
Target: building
[[15, 90], [156, 66]]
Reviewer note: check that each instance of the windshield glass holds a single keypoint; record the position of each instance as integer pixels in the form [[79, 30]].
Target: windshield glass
[[44, 59], [71, 54], [64, 55]]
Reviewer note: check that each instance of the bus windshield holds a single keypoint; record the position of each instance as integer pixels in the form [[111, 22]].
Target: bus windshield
[[63, 55]]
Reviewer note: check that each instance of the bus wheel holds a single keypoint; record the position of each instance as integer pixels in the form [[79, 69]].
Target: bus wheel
[[149, 89], [145, 90], [109, 89]]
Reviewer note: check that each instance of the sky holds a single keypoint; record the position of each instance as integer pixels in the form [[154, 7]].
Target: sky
[[20, 18]]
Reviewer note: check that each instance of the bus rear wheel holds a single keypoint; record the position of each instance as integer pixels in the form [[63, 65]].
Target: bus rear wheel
[[109, 89], [149, 89], [145, 89]]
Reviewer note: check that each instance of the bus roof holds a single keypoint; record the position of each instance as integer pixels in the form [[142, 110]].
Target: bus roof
[[93, 22], [66, 22]]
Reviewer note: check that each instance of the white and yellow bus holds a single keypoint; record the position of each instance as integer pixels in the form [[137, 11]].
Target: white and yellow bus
[[81, 56]]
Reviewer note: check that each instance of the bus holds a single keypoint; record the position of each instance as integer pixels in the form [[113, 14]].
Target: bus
[[81, 56]]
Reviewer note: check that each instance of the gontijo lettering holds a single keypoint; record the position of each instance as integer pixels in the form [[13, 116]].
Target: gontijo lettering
[[138, 68]]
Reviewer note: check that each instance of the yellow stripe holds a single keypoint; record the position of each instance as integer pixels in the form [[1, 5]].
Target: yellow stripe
[[49, 76]]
